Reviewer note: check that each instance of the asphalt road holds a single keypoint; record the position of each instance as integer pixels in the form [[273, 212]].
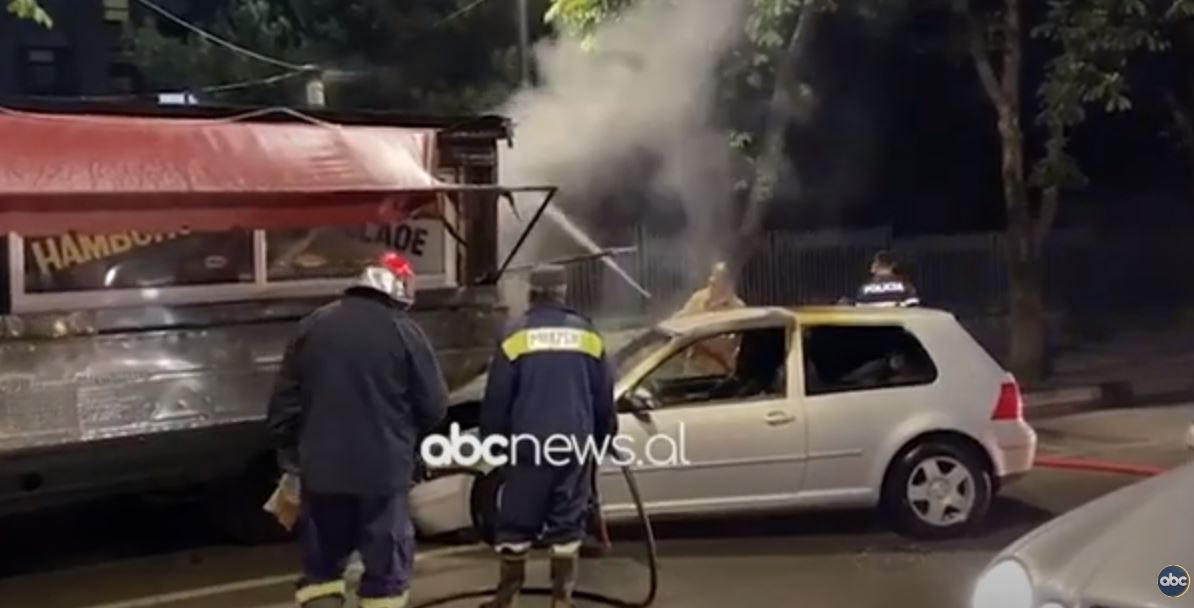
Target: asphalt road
[[129, 553]]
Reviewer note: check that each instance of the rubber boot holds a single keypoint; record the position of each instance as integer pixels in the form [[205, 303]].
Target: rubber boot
[[513, 575], [563, 580], [327, 601]]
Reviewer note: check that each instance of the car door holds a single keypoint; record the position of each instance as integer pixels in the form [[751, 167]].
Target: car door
[[721, 430], [861, 383]]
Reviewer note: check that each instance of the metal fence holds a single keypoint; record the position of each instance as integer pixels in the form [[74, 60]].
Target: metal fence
[[1086, 273]]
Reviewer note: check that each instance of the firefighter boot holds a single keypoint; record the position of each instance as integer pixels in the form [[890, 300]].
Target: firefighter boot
[[321, 595], [513, 575], [327, 601], [563, 579]]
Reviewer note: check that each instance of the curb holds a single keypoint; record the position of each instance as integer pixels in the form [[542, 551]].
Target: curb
[[1116, 394]]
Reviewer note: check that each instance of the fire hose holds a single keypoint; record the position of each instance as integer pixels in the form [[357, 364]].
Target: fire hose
[[1097, 466], [583, 594]]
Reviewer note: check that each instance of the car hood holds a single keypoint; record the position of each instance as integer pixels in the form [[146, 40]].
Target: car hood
[[1110, 551], [471, 391]]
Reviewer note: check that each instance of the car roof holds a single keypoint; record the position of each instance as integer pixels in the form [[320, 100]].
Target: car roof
[[867, 314], [728, 319]]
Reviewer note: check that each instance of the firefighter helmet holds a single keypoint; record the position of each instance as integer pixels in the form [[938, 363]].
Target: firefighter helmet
[[392, 275]]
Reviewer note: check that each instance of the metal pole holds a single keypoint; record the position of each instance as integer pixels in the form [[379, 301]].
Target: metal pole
[[524, 42]]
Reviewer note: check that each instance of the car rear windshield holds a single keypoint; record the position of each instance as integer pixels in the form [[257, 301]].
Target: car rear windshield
[[840, 358]]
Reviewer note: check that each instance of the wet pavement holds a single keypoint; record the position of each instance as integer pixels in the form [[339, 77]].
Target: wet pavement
[[132, 554]]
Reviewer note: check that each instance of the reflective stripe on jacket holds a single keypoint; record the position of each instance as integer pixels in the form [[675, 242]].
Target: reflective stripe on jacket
[[550, 376]]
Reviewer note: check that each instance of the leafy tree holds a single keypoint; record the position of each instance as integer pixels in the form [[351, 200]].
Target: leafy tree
[[778, 34], [1091, 43], [31, 10], [376, 53]]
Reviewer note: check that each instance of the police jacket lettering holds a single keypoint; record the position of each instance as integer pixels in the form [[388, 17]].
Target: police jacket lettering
[[550, 376], [887, 291]]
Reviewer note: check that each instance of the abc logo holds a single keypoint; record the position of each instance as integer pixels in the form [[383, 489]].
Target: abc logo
[[1174, 581]]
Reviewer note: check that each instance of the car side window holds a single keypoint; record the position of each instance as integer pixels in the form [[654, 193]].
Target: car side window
[[732, 366], [843, 358]]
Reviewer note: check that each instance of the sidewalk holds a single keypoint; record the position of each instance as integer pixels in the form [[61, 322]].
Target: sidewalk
[[1135, 368]]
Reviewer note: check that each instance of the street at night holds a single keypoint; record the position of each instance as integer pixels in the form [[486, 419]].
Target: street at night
[[128, 554], [414, 303]]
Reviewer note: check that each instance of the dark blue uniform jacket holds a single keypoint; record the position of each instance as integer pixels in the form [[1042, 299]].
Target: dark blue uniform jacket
[[550, 376], [358, 389], [887, 291]]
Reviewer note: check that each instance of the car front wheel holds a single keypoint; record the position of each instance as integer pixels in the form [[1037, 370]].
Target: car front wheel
[[937, 489]]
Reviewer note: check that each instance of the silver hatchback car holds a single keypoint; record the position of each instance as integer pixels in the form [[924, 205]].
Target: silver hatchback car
[[774, 408]]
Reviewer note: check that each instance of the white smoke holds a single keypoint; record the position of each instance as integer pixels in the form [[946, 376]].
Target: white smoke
[[645, 92]]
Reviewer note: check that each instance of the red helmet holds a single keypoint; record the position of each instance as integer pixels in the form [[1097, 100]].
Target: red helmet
[[392, 275]]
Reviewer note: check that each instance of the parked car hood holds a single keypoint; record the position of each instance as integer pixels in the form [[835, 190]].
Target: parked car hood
[[474, 390], [1110, 551]]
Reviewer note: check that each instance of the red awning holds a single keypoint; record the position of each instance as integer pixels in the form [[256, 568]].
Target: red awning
[[103, 173]]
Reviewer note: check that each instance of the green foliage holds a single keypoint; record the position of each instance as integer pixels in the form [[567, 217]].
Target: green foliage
[[580, 17], [31, 10], [1095, 41], [191, 63], [378, 53]]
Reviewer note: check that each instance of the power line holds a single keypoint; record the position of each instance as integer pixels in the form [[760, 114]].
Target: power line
[[293, 69], [461, 12], [244, 84], [210, 37]]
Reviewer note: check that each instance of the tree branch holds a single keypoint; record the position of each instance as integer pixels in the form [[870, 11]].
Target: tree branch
[[977, 47]]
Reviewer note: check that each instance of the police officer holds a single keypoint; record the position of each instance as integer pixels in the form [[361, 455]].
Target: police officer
[[885, 287], [550, 378], [358, 388]]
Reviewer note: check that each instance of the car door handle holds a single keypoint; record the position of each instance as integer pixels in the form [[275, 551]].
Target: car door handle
[[778, 418]]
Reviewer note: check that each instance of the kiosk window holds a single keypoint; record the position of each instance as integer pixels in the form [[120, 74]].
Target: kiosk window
[[136, 260], [337, 253]]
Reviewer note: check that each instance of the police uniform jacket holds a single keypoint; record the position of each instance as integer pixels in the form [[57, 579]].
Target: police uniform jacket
[[358, 389], [887, 291], [550, 376]]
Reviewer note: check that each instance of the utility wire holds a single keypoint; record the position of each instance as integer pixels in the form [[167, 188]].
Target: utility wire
[[244, 84], [461, 12], [293, 69], [210, 37]]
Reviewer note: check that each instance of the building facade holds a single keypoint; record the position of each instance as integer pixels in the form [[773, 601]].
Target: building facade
[[84, 54]]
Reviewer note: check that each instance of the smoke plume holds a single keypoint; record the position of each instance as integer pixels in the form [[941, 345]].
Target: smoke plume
[[636, 107]]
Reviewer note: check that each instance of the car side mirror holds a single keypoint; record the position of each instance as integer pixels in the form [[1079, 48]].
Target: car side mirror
[[638, 402]]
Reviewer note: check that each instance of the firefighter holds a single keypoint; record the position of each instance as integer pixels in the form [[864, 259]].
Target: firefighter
[[549, 378], [886, 287], [358, 388]]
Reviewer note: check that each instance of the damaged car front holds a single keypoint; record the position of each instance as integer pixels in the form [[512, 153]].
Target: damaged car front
[[442, 501]]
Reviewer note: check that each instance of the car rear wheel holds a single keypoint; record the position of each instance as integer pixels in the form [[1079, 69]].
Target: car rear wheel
[[937, 489]]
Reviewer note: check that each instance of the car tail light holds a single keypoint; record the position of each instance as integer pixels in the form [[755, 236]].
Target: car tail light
[[1010, 405]]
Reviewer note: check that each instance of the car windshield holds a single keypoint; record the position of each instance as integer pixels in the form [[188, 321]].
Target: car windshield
[[638, 349]]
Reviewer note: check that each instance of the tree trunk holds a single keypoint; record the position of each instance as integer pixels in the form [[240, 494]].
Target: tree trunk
[[1027, 356], [788, 101], [1185, 127]]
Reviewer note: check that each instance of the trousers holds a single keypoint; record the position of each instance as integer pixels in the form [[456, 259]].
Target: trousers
[[547, 504], [332, 526]]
